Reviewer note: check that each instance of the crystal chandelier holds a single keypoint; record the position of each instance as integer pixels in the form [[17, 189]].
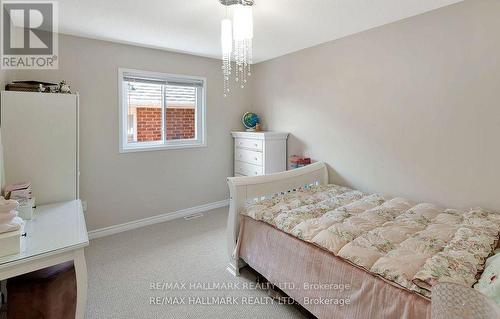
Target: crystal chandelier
[[236, 42]]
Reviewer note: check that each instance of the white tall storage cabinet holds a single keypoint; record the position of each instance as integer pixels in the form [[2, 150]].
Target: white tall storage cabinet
[[259, 153], [40, 143]]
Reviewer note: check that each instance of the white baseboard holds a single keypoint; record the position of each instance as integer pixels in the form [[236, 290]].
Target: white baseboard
[[111, 230]]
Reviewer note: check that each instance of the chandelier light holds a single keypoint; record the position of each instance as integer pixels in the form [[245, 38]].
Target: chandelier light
[[236, 42], [226, 38]]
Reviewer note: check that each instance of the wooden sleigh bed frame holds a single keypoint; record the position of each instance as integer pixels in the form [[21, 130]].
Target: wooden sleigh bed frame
[[252, 189]]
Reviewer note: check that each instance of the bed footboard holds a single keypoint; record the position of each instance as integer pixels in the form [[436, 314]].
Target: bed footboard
[[251, 189]]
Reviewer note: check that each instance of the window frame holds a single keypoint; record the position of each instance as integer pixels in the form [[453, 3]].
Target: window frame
[[200, 119]]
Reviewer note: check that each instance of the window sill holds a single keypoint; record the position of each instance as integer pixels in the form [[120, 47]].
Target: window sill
[[161, 147]]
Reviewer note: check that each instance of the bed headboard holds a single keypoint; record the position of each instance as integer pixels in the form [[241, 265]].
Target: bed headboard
[[250, 189]]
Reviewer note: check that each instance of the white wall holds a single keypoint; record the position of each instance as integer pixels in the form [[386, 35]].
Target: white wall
[[124, 187], [411, 108]]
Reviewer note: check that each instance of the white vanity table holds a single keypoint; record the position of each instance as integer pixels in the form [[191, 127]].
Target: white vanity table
[[57, 234]]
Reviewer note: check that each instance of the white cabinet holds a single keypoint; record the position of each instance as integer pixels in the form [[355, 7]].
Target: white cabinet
[[40, 143], [259, 153]]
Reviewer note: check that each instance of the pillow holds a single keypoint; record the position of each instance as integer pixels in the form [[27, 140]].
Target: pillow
[[489, 283]]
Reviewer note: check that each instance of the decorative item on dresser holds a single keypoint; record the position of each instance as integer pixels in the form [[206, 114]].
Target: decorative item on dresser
[[259, 153], [299, 161], [251, 122]]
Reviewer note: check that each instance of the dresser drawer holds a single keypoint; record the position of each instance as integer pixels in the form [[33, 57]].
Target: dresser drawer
[[241, 168], [249, 143], [248, 156]]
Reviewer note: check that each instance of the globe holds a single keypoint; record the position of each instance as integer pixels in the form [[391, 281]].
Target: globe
[[249, 120]]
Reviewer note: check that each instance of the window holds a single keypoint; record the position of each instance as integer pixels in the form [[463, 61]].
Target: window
[[160, 111]]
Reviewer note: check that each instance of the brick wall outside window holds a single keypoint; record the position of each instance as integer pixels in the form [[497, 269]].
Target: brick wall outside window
[[148, 124], [180, 123]]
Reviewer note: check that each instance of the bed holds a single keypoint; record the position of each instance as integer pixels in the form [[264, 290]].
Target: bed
[[335, 276]]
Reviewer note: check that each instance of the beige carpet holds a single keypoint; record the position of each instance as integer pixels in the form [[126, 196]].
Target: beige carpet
[[122, 267]]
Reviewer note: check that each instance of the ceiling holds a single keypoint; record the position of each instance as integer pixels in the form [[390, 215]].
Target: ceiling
[[193, 26]]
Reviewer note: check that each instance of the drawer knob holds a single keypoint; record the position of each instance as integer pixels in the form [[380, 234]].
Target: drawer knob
[[256, 145], [256, 158]]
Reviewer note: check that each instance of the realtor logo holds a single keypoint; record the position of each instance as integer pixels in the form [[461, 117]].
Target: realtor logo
[[29, 35]]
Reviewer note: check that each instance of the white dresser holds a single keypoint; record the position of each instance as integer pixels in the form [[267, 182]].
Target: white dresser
[[259, 153]]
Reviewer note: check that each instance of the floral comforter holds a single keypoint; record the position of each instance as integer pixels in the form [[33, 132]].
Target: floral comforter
[[413, 245]]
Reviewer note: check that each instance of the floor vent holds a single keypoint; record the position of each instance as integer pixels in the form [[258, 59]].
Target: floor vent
[[193, 216]]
